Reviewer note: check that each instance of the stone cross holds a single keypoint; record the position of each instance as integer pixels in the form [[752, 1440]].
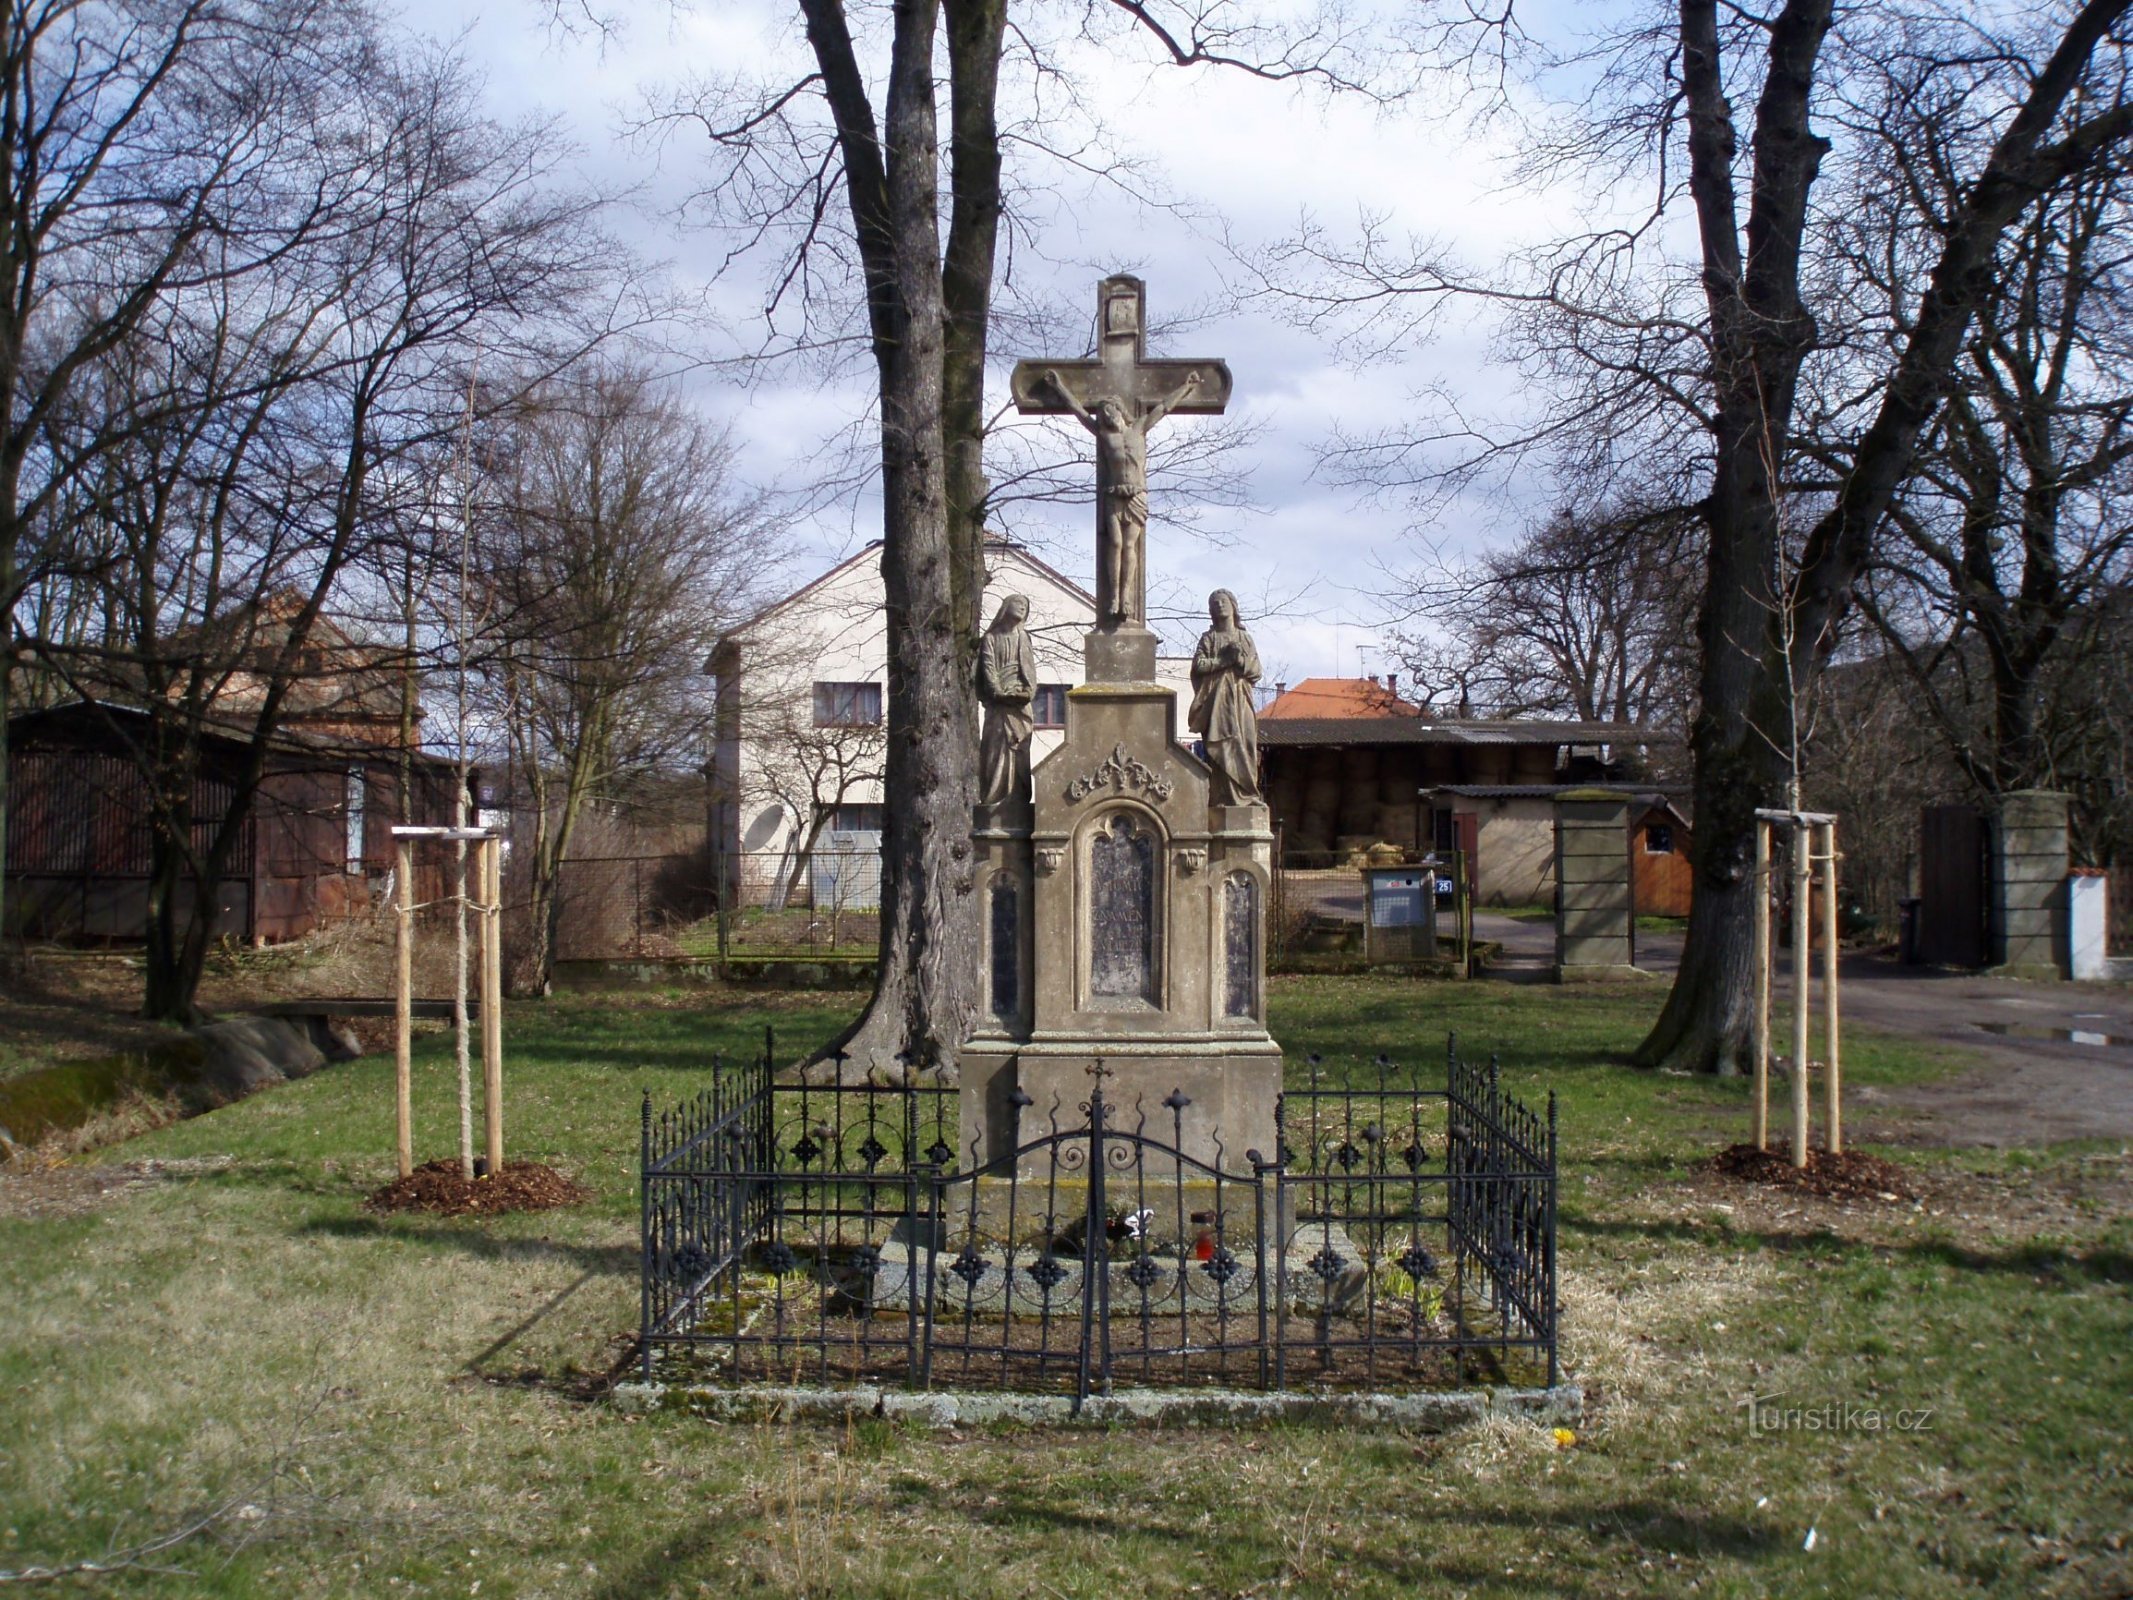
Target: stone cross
[[1118, 397]]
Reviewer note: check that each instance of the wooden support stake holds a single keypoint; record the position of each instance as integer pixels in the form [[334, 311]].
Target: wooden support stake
[[490, 874], [1802, 959], [403, 1007], [1759, 1123], [1832, 1071]]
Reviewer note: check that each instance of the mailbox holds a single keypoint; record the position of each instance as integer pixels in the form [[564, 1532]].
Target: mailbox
[[1400, 912]]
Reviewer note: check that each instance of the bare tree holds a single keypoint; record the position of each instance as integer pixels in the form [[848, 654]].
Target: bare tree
[[1733, 360], [783, 152], [1584, 617], [808, 769], [1989, 584], [612, 552], [145, 149], [252, 437]]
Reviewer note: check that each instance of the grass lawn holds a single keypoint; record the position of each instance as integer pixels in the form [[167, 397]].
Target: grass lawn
[[204, 1323]]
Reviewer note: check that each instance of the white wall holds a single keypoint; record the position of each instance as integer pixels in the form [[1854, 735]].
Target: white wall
[[834, 631]]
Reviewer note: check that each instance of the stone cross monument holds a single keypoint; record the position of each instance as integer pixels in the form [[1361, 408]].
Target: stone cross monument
[[1125, 892], [1118, 397]]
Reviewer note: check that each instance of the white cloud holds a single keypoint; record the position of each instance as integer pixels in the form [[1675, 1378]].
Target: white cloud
[[1225, 146]]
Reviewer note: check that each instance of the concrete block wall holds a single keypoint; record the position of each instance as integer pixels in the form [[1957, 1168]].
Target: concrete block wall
[[1594, 916], [2028, 918]]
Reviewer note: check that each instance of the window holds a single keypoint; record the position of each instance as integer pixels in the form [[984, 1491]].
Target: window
[[1049, 708], [1658, 838], [856, 819], [847, 705], [357, 793]]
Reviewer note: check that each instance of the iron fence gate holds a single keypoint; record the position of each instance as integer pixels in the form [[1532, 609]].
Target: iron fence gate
[[1398, 1234]]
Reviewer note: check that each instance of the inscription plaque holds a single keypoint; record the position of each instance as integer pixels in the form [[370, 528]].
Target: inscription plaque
[[1122, 912], [1240, 926], [1006, 947]]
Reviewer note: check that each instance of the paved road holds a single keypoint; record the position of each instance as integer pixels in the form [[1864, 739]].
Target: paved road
[[2057, 1058], [1529, 947], [2054, 1060]]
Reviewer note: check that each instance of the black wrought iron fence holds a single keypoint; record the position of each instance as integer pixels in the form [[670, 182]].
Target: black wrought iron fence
[[1398, 1234]]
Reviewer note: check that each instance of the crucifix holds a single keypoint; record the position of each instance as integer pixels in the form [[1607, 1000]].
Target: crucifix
[[1118, 397]]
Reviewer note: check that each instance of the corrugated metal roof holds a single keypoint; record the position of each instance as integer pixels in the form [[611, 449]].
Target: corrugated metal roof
[[1643, 794], [1433, 730], [81, 719]]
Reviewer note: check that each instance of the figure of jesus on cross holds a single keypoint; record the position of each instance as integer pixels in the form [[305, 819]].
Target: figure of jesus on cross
[[1118, 397]]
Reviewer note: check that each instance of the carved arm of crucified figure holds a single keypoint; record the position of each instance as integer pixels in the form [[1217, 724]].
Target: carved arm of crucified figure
[[1162, 408], [1155, 413], [1058, 385]]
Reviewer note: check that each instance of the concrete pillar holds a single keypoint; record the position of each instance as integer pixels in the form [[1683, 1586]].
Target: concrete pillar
[[1594, 936], [2088, 906], [2028, 907]]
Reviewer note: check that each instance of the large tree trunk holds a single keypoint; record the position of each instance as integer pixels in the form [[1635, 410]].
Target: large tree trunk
[[975, 28], [925, 992], [1764, 642], [177, 936], [165, 996], [1742, 740]]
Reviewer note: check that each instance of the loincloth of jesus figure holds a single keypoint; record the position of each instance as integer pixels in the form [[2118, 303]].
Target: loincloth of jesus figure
[[1122, 540]]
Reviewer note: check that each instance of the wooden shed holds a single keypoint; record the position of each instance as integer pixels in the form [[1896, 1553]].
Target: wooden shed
[[316, 847], [1659, 839]]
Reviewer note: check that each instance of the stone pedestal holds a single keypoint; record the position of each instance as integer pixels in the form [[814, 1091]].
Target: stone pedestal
[[1139, 925], [1595, 929], [1123, 655], [2027, 919]]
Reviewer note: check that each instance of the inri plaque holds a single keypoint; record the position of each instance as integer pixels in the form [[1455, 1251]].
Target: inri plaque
[[1122, 912]]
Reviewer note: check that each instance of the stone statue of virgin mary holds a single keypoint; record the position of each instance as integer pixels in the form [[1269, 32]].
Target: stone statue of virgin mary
[[1225, 665], [1007, 683]]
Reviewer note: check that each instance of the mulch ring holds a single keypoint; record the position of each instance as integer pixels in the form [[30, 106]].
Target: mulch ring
[[436, 1186], [1852, 1175]]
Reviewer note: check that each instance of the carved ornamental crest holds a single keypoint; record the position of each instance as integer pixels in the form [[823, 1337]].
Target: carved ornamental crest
[[1121, 773]]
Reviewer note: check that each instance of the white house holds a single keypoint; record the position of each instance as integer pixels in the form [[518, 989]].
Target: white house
[[796, 770]]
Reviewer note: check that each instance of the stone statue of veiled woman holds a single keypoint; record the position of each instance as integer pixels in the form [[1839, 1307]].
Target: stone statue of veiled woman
[[1225, 665], [1007, 683]]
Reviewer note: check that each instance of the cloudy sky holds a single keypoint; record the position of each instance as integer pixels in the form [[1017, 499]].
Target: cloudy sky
[[1236, 159]]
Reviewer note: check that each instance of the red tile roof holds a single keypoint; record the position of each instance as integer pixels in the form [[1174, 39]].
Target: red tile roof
[[1339, 697]]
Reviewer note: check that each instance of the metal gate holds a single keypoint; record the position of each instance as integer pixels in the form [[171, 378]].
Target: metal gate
[[1954, 864], [1094, 1254]]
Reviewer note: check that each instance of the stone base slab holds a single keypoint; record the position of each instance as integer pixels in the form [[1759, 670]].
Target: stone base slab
[[1429, 1412], [1024, 1212], [1174, 1283]]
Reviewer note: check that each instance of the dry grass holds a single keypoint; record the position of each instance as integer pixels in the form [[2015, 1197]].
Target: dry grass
[[166, 1337]]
